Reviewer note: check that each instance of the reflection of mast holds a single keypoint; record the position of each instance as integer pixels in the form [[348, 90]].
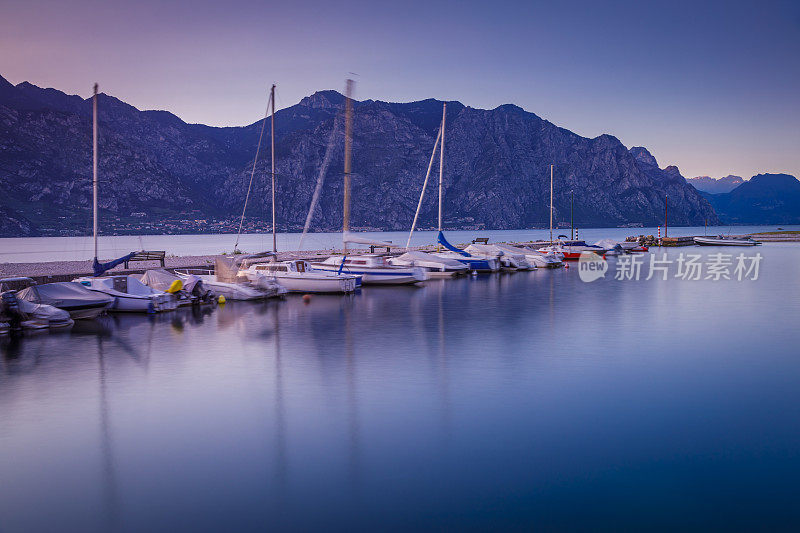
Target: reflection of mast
[[280, 411], [354, 470], [444, 366], [109, 477]]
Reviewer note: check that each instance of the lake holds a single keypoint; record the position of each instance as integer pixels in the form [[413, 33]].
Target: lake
[[33, 249], [525, 401]]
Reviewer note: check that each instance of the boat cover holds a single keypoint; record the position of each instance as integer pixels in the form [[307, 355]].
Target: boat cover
[[608, 244], [162, 280], [44, 313], [449, 246], [424, 256], [484, 249], [64, 295], [226, 269]]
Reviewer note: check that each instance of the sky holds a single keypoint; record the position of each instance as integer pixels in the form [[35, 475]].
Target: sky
[[712, 87]]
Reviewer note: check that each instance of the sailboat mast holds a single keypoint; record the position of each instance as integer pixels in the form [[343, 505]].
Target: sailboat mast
[[94, 168], [274, 238], [551, 203], [348, 141], [441, 164], [572, 214]]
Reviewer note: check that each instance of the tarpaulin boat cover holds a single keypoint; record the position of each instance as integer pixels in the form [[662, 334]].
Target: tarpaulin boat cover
[[226, 269], [449, 246], [424, 256], [162, 280], [44, 313], [65, 295]]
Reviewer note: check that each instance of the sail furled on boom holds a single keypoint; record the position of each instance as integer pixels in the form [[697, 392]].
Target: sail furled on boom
[[449, 246], [101, 268]]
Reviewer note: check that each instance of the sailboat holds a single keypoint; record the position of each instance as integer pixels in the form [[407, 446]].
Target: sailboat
[[264, 270], [568, 250], [474, 263], [373, 268], [130, 294]]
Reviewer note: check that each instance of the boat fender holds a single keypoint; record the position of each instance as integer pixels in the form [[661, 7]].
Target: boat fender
[[566, 265]]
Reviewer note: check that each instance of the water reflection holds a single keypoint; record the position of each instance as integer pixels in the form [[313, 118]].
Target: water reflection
[[498, 401]]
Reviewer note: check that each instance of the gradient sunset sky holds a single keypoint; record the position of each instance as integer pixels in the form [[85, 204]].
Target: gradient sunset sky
[[712, 87]]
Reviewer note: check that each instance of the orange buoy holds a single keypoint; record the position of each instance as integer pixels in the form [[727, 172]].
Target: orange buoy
[[307, 299]]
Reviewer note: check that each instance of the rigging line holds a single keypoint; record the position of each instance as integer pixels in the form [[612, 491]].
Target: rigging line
[[326, 161], [424, 186], [252, 173]]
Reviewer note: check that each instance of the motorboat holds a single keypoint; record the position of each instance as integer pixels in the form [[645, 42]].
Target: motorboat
[[534, 257], [298, 276], [373, 269], [28, 316], [188, 290], [434, 266], [79, 301], [508, 260], [130, 295], [572, 250], [722, 240], [224, 280]]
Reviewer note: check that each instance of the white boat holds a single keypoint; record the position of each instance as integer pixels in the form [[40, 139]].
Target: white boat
[[534, 257], [373, 269], [722, 240], [298, 276], [130, 295], [508, 260], [434, 266], [572, 250], [76, 299], [230, 290]]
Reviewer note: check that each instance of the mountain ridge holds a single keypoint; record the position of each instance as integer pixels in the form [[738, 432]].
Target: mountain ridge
[[152, 162]]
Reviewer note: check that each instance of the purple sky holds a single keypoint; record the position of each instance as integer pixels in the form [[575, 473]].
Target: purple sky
[[713, 87]]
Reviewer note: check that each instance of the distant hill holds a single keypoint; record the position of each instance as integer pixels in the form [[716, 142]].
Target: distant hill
[[715, 185], [154, 166], [763, 199]]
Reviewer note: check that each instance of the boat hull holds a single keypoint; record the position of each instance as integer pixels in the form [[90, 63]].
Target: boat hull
[[376, 276], [318, 284], [710, 241]]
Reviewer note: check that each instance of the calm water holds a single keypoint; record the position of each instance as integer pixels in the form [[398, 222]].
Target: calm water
[[29, 250], [528, 401]]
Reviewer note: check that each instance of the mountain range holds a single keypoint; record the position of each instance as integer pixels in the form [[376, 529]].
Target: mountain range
[[763, 199], [715, 185], [154, 166]]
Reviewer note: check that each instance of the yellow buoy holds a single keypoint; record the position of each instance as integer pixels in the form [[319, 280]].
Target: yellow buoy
[[221, 300]]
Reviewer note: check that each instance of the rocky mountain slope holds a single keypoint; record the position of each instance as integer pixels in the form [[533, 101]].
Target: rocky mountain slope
[[763, 199], [714, 185], [155, 166]]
